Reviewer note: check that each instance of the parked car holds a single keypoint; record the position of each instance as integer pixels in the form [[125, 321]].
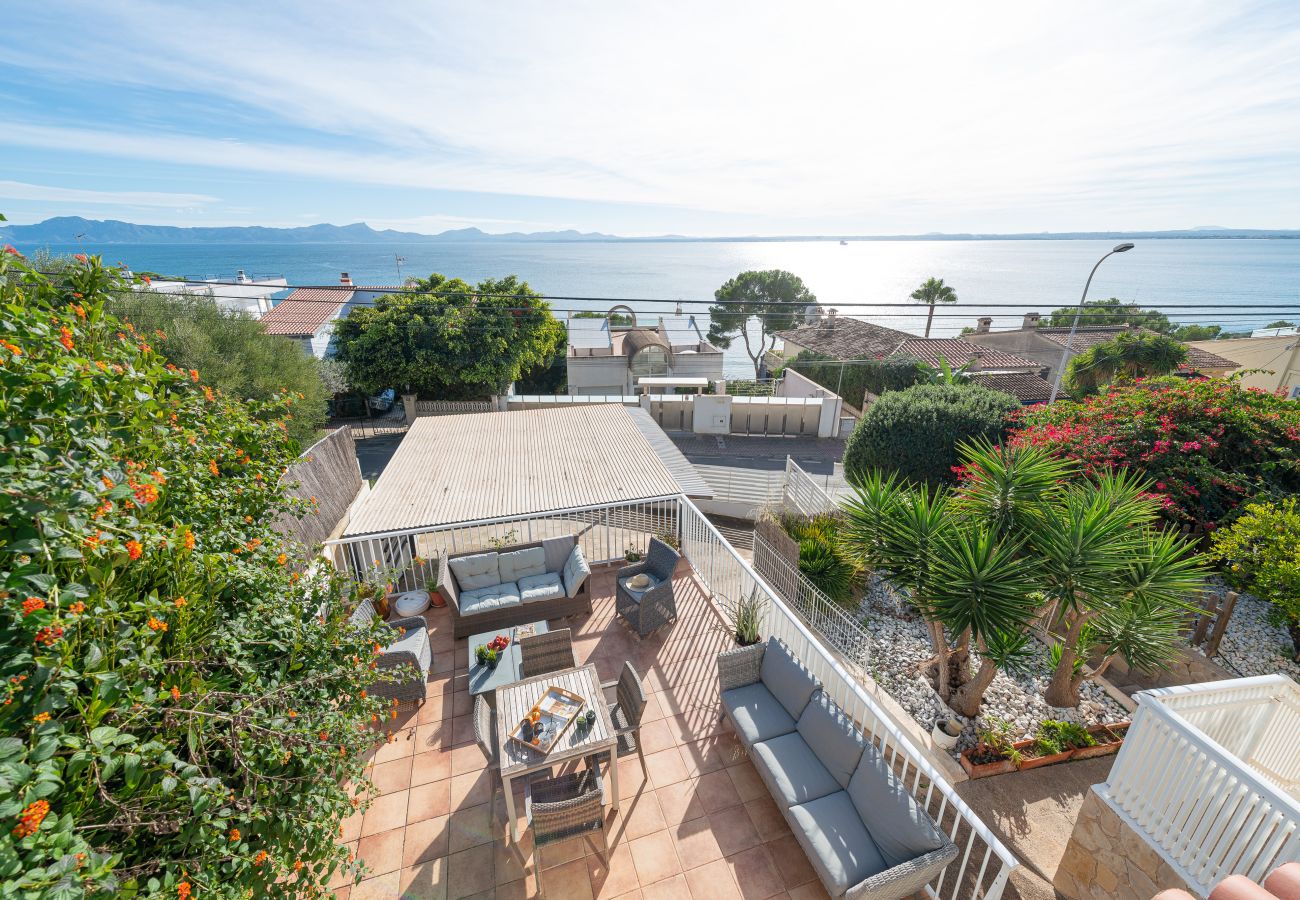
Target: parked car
[[383, 402]]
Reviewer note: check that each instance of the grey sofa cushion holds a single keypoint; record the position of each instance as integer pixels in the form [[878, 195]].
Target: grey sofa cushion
[[557, 550], [415, 640], [787, 678], [756, 714], [793, 773], [487, 598], [576, 571], [901, 829], [477, 571], [832, 736], [838, 845], [547, 586], [521, 564]]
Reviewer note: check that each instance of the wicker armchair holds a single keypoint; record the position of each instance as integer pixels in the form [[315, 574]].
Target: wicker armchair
[[485, 735], [566, 806], [625, 713], [411, 648], [550, 651], [647, 611]]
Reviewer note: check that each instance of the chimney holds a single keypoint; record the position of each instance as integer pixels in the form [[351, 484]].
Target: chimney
[[829, 324], [345, 279], [1031, 321], [240, 277], [976, 357], [983, 324]]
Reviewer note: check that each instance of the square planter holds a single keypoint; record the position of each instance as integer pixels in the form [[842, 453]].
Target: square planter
[[985, 770], [1108, 742], [1038, 761]]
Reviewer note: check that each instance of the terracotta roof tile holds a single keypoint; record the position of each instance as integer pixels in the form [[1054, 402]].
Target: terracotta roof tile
[[847, 339], [958, 352], [1024, 386], [1091, 335], [303, 312]]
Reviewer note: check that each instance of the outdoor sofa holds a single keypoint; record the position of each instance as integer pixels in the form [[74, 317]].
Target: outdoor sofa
[[514, 585], [409, 650], [865, 835]]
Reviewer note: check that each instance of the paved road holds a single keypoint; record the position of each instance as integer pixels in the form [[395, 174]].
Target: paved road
[[374, 453]]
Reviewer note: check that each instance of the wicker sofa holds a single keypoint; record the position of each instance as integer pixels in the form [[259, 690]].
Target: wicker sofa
[[865, 835], [522, 583]]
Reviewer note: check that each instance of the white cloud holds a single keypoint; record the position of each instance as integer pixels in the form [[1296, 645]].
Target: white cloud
[[18, 190], [893, 117]]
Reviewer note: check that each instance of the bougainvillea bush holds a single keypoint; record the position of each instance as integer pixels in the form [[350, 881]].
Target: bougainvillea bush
[[177, 718], [1207, 445]]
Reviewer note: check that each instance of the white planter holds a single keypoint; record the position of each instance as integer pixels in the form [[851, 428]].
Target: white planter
[[942, 739]]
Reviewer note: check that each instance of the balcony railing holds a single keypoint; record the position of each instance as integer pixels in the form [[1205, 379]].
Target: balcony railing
[[1209, 773], [606, 532]]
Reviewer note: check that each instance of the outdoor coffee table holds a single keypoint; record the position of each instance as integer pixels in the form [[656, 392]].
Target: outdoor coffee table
[[509, 666], [513, 703]]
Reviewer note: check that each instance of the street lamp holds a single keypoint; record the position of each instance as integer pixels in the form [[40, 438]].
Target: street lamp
[[1065, 353]]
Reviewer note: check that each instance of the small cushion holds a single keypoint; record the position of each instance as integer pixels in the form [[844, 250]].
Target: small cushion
[[635, 593], [832, 736], [557, 550], [487, 598], [540, 587], [787, 678], [521, 564], [792, 771], [576, 571], [756, 714], [477, 571], [836, 842], [901, 829]]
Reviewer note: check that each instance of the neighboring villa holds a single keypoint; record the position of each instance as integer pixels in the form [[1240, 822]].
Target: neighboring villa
[[252, 295], [1274, 352], [847, 339], [308, 315], [1044, 345], [606, 358]]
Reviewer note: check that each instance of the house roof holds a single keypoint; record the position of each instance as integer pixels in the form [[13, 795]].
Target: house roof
[[957, 352], [1091, 335], [303, 312], [543, 460], [1024, 386], [845, 338]]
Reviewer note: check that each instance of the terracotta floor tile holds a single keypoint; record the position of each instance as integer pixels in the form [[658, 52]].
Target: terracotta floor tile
[[746, 780], [471, 826], [467, 758], [428, 801], [385, 887], [666, 767], [716, 791], [674, 888], [640, 816], [695, 843], [433, 736], [462, 730], [434, 709], [382, 853], [425, 841], [680, 802], [795, 868], [653, 712], [614, 877], [767, 818], [755, 872], [462, 703], [432, 765], [560, 852], [712, 882], [392, 776], [402, 745], [570, 881], [341, 893], [655, 857], [426, 881], [471, 789], [734, 830], [698, 724], [631, 895], [509, 866], [385, 813], [813, 890], [444, 663], [469, 872], [350, 829], [631, 779], [520, 889], [656, 736]]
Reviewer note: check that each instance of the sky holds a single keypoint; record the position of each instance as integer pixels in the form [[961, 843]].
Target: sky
[[638, 119]]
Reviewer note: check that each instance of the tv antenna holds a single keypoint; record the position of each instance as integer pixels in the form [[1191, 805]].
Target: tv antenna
[[399, 260]]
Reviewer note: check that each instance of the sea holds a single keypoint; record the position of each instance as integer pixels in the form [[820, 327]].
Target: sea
[[1236, 283]]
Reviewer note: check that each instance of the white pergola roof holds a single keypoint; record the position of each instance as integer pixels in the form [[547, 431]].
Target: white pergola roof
[[481, 466]]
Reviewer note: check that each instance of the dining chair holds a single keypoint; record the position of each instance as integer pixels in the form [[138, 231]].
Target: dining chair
[[485, 735], [550, 651], [625, 713], [566, 806]]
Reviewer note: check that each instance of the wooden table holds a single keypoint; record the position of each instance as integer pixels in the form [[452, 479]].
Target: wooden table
[[513, 703], [481, 678]]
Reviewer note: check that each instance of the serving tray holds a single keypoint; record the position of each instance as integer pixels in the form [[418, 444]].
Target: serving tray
[[558, 708]]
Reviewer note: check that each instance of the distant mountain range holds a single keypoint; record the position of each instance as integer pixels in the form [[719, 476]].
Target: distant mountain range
[[72, 229]]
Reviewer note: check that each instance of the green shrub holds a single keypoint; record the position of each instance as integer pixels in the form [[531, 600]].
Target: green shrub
[[827, 568], [852, 379], [1260, 553], [177, 717], [915, 432]]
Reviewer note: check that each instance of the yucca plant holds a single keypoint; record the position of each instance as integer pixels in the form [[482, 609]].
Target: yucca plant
[[749, 618], [827, 568]]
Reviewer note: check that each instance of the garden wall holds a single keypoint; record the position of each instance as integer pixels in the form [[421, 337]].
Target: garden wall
[[329, 472]]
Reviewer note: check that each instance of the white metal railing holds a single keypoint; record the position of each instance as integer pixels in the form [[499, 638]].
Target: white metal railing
[[1210, 775], [803, 494], [983, 864]]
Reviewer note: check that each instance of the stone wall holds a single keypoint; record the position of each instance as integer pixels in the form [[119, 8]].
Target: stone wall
[[1107, 859]]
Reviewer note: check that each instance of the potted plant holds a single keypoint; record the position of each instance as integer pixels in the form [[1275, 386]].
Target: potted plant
[[946, 732], [486, 656], [632, 554], [748, 619], [1107, 740], [1054, 741], [994, 753]]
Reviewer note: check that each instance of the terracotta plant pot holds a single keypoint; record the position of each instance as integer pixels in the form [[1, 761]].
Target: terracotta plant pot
[[1107, 742], [1034, 762], [437, 600], [987, 769]]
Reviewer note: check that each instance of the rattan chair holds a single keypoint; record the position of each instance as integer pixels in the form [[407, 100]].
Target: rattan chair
[[566, 806], [410, 648], [625, 713], [485, 735], [550, 651], [649, 610]]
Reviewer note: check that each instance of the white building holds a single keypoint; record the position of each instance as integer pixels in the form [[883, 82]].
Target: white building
[[611, 359], [308, 315], [249, 294]]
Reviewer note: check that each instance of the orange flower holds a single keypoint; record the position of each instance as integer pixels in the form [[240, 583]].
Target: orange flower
[[79, 310], [32, 604], [234, 834], [146, 279], [133, 549], [248, 519], [176, 693], [324, 735], [41, 718], [259, 858], [363, 694], [179, 601], [281, 559], [212, 467], [49, 635], [93, 540], [254, 543], [207, 393], [31, 818], [292, 714], [12, 348], [159, 476], [297, 865], [65, 338], [107, 482], [80, 257], [146, 494], [194, 375], [77, 608], [157, 624], [183, 890], [189, 539]]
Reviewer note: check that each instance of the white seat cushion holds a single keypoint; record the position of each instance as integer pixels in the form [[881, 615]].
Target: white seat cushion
[[533, 588], [487, 598], [576, 571], [477, 571], [521, 564]]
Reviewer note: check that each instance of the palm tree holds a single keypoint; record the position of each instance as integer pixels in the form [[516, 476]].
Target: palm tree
[[1129, 356], [933, 291]]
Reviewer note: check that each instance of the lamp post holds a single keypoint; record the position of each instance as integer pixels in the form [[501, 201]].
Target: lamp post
[[1065, 352]]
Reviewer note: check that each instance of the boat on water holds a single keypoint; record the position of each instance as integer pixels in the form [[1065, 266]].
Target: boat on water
[[844, 243]]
